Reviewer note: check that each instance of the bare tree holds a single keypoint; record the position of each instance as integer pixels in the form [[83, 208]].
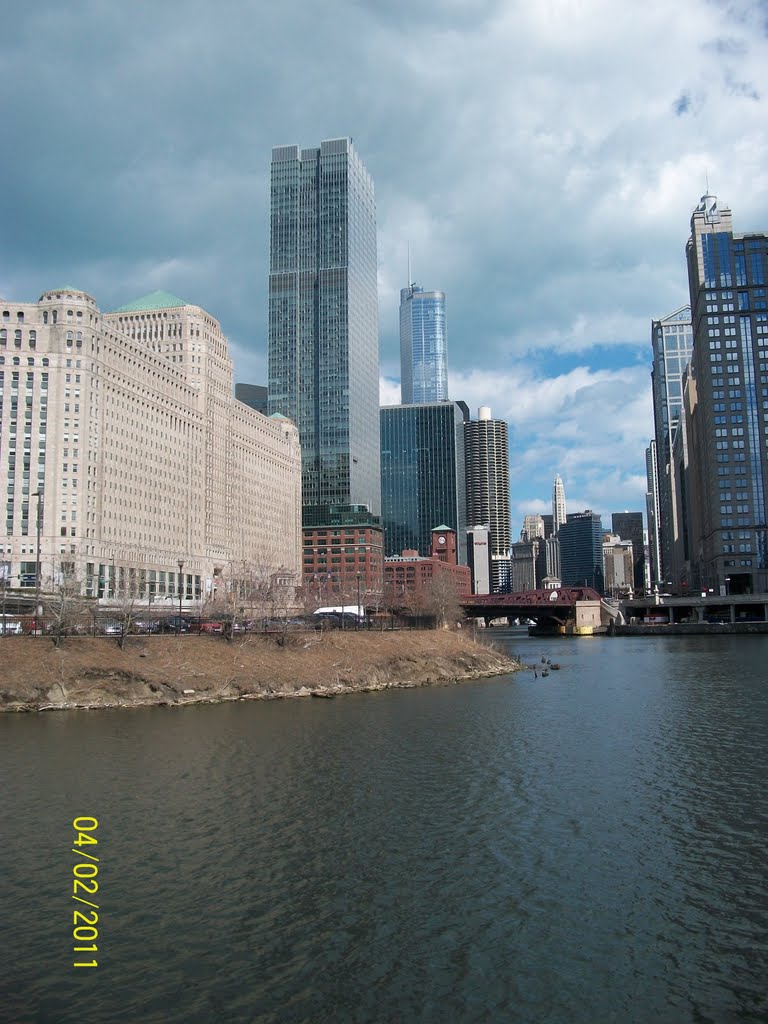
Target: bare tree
[[441, 600], [129, 605], [64, 606], [257, 591]]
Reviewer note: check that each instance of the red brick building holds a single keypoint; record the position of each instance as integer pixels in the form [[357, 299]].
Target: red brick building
[[340, 556], [408, 575]]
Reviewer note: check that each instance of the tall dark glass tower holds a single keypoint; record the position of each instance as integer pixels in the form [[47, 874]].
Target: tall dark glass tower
[[727, 476], [423, 346], [323, 320], [581, 550], [422, 475], [672, 339]]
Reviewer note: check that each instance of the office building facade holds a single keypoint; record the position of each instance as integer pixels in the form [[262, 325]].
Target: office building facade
[[728, 278], [423, 346], [672, 342], [255, 396], [581, 550], [122, 432], [343, 556], [479, 558], [488, 501], [618, 566], [533, 527], [323, 319], [422, 474], [629, 527], [421, 583], [652, 513]]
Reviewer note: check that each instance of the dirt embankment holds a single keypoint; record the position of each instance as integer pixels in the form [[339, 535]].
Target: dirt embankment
[[92, 672]]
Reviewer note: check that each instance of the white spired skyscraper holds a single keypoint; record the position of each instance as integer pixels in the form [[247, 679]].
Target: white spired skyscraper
[[423, 346], [558, 504], [323, 320]]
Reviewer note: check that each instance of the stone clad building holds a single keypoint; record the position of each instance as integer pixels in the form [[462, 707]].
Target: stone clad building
[[122, 431]]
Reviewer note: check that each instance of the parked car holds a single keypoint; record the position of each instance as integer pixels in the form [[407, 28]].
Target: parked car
[[10, 627], [148, 625], [211, 626], [174, 624], [110, 627], [336, 620]]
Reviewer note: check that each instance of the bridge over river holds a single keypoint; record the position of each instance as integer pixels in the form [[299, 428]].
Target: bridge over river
[[577, 610], [582, 612]]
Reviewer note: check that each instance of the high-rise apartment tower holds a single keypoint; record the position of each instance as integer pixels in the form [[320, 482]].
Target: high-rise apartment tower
[[323, 319], [423, 347], [487, 474]]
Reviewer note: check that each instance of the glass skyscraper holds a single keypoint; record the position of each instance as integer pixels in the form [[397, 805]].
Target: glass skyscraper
[[423, 346], [323, 319], [581, 550], [672, 340], [726, 408], [422, 475]]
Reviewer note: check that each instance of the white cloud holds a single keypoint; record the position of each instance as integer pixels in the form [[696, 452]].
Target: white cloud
[[542, 160]]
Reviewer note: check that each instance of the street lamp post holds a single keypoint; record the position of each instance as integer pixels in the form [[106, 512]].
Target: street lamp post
[[5, 593], [181, 569], [39, 496], [357, 617]]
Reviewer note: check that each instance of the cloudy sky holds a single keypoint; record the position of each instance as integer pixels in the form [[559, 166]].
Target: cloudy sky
[[543, 159]]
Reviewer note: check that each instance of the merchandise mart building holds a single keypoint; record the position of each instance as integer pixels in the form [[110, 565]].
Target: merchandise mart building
[[121, 432]]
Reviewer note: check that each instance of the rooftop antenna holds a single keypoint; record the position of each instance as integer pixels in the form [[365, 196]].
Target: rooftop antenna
[[409, 265]]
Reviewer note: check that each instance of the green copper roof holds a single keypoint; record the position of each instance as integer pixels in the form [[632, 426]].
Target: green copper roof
[[155, 300], [66, 288], [443, 529], [278, 416]]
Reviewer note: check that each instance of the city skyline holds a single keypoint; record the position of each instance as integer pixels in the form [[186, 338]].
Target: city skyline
[[556, 252]]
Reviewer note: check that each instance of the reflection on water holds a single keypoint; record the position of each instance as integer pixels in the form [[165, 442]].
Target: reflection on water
[[589, 846]]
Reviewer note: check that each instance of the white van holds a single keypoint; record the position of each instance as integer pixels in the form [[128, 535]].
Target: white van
[[10, 626]]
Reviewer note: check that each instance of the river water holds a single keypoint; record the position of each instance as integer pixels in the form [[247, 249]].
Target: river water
[[587, 846]]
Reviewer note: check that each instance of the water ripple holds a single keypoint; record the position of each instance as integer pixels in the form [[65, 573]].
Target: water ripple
[[585, 847]]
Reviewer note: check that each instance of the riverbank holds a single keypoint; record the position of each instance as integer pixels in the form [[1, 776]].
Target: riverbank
[[93, 672]]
